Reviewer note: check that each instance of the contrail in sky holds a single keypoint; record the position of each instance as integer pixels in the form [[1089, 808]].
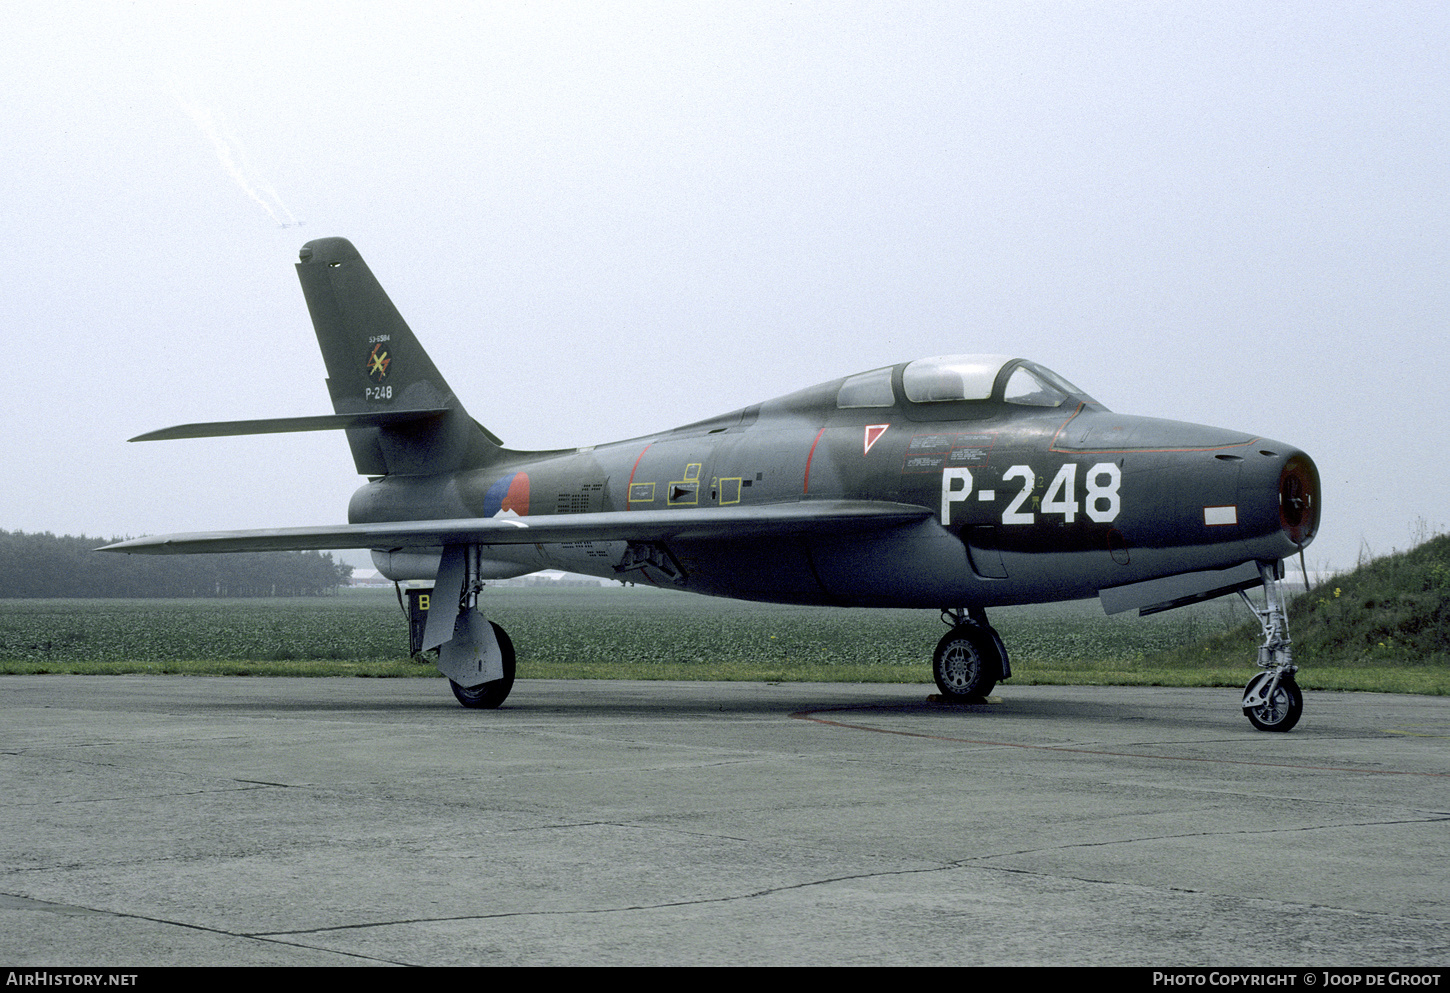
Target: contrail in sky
[[233, 157]]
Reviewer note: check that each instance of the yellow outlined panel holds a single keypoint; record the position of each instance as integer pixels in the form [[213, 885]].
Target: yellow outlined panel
[[730, 489], [685, 492]]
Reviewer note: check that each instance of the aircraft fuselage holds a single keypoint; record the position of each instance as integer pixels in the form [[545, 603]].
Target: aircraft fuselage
[[1034, 503]]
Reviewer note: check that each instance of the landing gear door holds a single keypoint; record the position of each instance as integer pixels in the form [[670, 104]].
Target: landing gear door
[[447, 592], [472, 656]]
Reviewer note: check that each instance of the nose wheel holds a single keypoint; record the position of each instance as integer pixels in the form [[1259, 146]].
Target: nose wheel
[[1277, 706]]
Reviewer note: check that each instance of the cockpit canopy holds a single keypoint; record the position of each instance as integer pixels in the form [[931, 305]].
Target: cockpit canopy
[[957, 378]]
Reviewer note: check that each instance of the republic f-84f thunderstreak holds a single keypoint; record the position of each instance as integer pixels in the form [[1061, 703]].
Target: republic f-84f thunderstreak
[[955, 483]]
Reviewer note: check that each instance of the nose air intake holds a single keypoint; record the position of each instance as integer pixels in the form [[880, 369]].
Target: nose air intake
[[1299, 499]]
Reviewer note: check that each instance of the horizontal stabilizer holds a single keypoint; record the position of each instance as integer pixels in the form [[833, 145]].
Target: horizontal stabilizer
[[833, 517], [283, 425]]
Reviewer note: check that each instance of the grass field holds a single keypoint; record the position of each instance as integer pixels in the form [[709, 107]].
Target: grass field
[[641, 633]]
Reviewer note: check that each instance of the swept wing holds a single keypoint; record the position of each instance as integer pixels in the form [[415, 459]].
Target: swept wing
[[705, 523]]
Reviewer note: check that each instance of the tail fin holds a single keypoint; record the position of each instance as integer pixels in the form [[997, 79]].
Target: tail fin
[[375, 366]]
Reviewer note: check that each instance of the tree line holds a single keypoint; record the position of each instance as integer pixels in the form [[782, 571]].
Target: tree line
[[44, 565]]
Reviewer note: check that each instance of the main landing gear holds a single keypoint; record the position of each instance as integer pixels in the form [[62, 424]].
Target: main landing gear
[[476, 654], [970, 660], [1272, 700]]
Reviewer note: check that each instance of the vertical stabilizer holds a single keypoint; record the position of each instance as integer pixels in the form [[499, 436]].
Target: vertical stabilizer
[[376, 365]]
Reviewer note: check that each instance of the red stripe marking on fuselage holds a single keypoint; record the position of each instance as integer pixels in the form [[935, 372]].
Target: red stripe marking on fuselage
[[806, 487], [628, 487]]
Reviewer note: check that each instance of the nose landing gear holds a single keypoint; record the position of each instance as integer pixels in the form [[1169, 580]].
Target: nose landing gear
[[1272, 700]]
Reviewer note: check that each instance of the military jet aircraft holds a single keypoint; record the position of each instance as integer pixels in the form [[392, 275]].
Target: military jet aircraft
[[954, 483]]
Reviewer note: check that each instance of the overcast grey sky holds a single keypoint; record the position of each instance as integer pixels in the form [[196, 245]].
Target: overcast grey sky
[[607, 219]]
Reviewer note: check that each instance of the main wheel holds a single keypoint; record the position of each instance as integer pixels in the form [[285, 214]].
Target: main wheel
[[965, 663], [488, 696], [1282, 710]]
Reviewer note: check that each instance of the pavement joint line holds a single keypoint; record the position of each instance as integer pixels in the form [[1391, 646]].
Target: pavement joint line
[[629, 826], [633, 908], [11, 901], [1298, 829], [809, 715]]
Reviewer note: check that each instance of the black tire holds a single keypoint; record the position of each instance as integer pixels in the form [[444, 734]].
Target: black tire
[[965, 664], [488, 696], [1282, 711]]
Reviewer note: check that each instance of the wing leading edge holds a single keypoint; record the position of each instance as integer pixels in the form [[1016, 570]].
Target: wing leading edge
[[835, 517]]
